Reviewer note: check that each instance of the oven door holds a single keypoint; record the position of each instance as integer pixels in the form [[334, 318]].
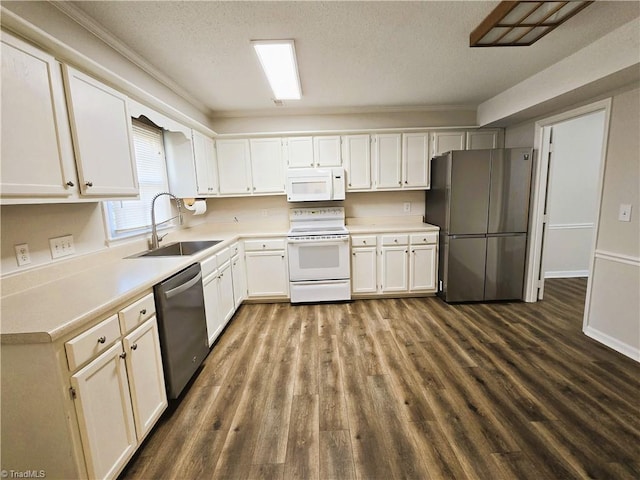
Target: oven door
[[321, 259]]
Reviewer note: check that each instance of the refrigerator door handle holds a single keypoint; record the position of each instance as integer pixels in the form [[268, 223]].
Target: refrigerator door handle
[[478, 235]]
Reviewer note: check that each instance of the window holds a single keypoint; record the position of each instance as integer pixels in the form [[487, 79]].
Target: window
[[132, 217]]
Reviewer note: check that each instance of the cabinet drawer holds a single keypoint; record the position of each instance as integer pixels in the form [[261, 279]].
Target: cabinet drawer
[[92, 342], [209, 265], [136, 313], [424, 238], [264, 244], [223, 256], [395, 239], [363, 241]]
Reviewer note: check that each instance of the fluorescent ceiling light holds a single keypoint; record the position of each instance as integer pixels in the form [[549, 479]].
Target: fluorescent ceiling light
[[278, 60]]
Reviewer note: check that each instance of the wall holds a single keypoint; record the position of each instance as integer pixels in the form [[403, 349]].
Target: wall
[[613, 304], [572, 195]]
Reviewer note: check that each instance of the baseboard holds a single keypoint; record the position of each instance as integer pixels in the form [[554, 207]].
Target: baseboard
[[567, 274], [613, 343]]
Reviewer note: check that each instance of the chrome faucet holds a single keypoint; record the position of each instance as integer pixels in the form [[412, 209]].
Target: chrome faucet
[[155, 240]]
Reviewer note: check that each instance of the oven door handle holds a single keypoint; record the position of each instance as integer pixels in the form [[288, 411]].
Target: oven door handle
[[181, 288], [293, 241]]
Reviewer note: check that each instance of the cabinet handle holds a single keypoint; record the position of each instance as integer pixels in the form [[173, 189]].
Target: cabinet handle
[[247, 189], [395, 240], [89, 184], [424, 239], [134, 346], [399, 183], [354, 254], [143, 311], [282, 256], [264, 246], [405, 182], [254, 189], [102, 339], [70, 184], [123, 355], [413, 251], [364, 242]]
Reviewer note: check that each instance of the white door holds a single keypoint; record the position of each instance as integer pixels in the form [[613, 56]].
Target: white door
[[234, 171], [267, 274], [326, 151], [239, 280], [37, 155], [481, 139], [299, 152], [446, 141], [103, 404], [415, 160], [146, 376], [267, 165], [225, 293], [422, 268], [387, 149], [394, 269], [102, 136], [204, 155], [363, 270], [356, 153], [212, 306]]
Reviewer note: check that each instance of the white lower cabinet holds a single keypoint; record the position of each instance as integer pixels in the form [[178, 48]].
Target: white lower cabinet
[[387, 264], [103, 404], [239, 279], [226, 304], [267, 269]]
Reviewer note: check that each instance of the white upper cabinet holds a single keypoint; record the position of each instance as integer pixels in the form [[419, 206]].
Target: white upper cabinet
[[356, 153], [326, 151], [234, 169], [387, 153], [102, 136], [37, 154], [267, 165], [481, 139], [415, 160], [299, 151], [204, 157], [446, 141]]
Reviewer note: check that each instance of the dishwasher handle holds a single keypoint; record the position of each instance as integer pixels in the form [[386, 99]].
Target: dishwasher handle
[[181, 288]]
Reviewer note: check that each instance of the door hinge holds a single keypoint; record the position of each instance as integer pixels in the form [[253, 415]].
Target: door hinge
[[540, 283], [545, 218], [72, 392]]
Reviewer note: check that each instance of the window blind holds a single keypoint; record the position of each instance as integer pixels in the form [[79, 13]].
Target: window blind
[[131, 216]]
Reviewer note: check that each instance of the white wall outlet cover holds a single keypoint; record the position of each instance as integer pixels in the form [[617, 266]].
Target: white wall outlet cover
[[62, 246], [624, 213], [406, 207], [22, 254]]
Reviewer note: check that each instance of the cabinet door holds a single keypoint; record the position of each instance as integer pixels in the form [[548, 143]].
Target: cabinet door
[[212, 306], [234, 172], [239, 280], [446, 141], [394, 266], [356, 152], [267, 274], [363, 270], [103, 405], [299, 152], [37, 156], [415, 160], [267, 166], [146, 376], [422, 270], [481, 139], [225, 293], [101, 130], [326, 151], [204, 157], [387, 151]]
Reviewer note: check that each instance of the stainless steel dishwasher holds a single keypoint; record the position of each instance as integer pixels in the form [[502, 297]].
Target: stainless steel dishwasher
[[182, 326]]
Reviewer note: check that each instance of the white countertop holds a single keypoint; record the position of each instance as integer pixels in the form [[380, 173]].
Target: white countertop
[[55, 309]]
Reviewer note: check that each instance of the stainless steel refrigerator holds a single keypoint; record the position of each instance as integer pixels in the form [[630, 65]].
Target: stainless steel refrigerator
[[480, 201]]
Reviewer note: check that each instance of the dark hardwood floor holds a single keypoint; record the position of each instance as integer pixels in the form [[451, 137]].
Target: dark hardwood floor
[[405, 388]]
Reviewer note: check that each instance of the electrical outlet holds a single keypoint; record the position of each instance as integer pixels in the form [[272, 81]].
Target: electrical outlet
[[624, 213], [265, 212], [62, 246], [406, 207], [22, 254]]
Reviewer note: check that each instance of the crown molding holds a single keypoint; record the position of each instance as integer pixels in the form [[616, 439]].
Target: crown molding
[[95, 28]]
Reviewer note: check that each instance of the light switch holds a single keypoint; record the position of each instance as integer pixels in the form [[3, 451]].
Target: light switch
[[624, 214]]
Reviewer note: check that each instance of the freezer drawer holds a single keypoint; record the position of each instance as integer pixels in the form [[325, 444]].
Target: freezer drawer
[[505, 267], [463, 268]]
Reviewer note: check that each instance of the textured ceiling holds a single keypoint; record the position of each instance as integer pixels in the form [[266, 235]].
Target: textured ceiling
[[351, 55]]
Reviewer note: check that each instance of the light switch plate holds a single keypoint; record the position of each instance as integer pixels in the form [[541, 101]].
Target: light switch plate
[[62, 246], [624, 214], [406, 207]]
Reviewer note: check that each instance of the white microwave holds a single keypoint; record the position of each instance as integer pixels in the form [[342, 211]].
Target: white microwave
[[315, 184]]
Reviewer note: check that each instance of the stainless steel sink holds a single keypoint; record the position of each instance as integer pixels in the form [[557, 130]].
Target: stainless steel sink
[[178, 249]]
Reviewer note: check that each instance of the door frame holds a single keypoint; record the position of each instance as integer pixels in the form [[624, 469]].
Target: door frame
[[534, 281]]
